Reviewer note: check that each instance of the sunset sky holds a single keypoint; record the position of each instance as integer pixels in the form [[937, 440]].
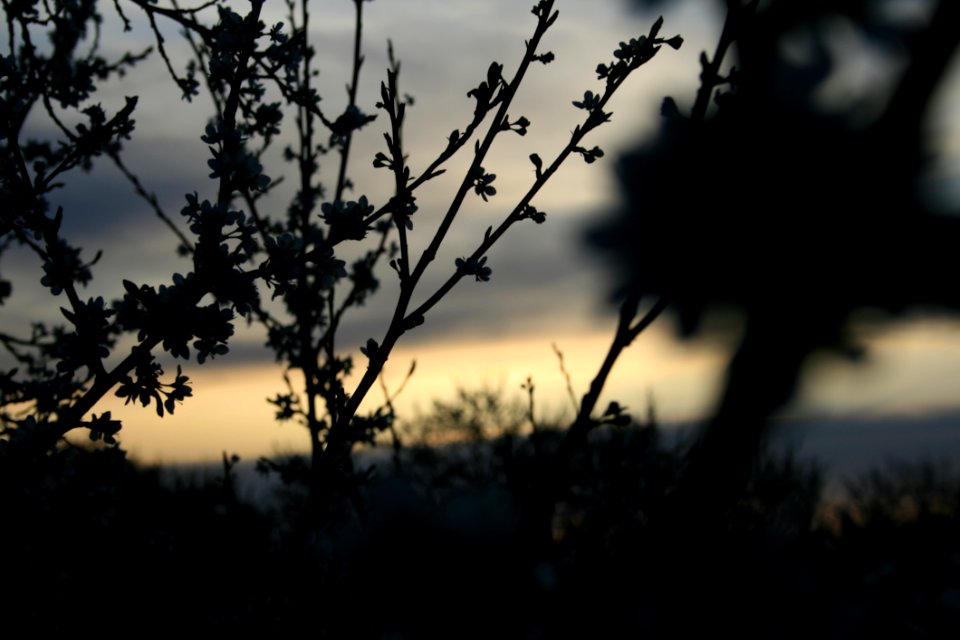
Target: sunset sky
[[547, 288]]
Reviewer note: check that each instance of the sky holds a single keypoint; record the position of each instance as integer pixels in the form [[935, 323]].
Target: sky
[[548, 289]]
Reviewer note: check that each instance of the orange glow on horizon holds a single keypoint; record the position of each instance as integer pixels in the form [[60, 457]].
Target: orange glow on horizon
[[229, 411]]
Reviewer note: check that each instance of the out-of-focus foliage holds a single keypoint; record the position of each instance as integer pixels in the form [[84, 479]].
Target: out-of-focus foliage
[[791, 205]]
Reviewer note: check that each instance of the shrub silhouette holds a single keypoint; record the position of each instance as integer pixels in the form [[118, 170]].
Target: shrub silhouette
[[92, 541]]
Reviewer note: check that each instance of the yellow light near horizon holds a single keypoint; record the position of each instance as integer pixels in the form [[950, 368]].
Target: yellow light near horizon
[[229, 412], [681, 379], [911, 367]]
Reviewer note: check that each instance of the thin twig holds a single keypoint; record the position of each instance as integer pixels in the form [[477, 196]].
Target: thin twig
[[151, 199], [352, 99], [566, 376]]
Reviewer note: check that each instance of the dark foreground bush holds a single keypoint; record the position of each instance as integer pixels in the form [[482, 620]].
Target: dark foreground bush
[[93, 542], [442, 548]]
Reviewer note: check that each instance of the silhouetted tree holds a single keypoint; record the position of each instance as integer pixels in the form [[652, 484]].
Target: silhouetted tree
[[63, 371], [236, 249], [792, 211]]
